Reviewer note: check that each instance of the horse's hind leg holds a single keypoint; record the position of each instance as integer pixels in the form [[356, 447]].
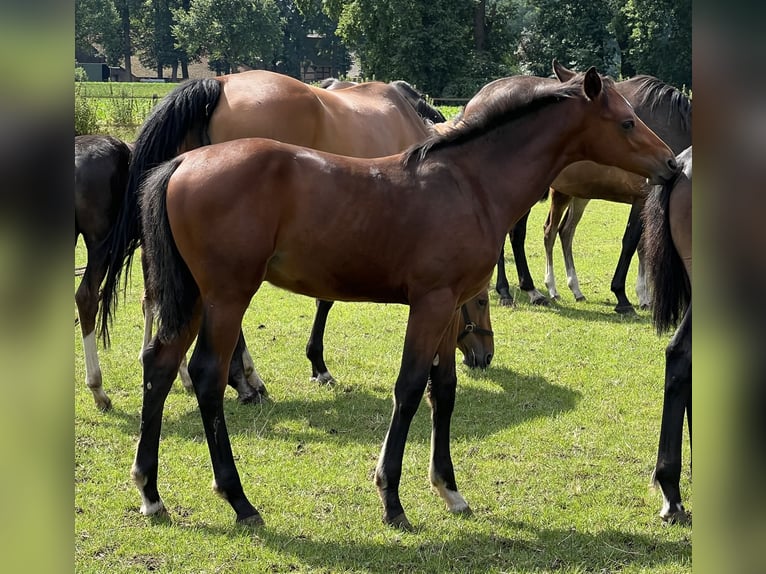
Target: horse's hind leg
[[677, 400], [86, 298], [243, 376], [160, 364], [315, 345], [566, 234], [208, 367], [559, 203], [441, 396]]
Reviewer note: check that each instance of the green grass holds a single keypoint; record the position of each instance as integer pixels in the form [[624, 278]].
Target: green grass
[[553, 445]]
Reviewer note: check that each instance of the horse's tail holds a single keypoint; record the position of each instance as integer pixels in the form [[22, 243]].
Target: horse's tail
[[180, 117], [168, 279], [666, 273]]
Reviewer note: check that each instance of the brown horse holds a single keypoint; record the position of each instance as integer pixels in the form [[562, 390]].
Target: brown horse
[[668, 243], [100, 176], [366, 120], [421, 228], [667, 111]]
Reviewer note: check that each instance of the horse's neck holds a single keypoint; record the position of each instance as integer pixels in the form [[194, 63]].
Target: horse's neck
[[516, 163]]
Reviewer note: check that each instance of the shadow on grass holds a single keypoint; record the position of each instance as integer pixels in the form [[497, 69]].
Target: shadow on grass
[[354, 416], [526, 549]]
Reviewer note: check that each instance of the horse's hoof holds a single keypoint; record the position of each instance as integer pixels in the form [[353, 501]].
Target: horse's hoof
[[400, 522], [506, 302], [465, 512], [580, 299], [104, 403], [625, 309], [679, 516], [254, 521], [324, 379], [541, 301]]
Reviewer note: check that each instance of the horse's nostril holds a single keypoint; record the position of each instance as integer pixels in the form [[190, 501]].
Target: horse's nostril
[[489, 358], [672, 164]]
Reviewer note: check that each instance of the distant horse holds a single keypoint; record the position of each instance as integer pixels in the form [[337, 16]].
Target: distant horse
[[368, 120], [422, 228], [667, 111], [415, 98], [100, 178], [668, 244]]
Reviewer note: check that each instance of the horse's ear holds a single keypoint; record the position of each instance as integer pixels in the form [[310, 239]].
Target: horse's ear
[[561, 72], [592, 83]]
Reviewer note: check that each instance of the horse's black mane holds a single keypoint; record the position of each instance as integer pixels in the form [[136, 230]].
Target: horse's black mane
[[652, 91], [504, 106], [416, 99]]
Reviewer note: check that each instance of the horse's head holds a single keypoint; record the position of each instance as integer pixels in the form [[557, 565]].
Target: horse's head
[[475, 339], [614, 134], [417, 101]]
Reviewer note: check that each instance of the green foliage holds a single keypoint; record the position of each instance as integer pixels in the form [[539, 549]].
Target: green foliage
[[80, 75], [232, 33], [85, 118], [660, 39]]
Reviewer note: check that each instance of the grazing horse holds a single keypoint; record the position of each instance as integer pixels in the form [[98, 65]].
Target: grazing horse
[[667, 111], [668, 245], [422, 228], [100, 177], [367, 120]]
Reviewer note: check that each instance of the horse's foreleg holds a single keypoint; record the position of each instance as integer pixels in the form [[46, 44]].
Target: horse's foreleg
[[160, 364], [427, 324], [209, 367], [315, 345], [526, 283], [566, 234], [677, 401], [630, 239], [86, 299], [501, 285], [441, 396]]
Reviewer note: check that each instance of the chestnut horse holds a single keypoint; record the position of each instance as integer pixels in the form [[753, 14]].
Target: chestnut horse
[[667, 111], [668, 245], [367, 120], [422, 228], [100, 176]]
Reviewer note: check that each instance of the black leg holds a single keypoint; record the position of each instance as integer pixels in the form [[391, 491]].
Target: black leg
[[315, 345], [630, 239]]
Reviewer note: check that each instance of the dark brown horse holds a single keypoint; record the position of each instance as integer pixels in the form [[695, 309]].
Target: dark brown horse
[[668, 243], [422, 228], [367, 120], [100, 177], [667, 111]]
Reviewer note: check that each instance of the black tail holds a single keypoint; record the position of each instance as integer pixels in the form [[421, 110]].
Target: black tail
[[169, 282], [666, 273], [183, 113]]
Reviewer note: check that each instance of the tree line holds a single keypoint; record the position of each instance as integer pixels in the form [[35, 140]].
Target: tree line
[[448, 48]]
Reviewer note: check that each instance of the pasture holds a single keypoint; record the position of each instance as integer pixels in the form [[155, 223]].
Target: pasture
[[553, 445]]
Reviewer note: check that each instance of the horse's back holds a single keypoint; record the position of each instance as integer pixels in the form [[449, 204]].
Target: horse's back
[[367, 120]]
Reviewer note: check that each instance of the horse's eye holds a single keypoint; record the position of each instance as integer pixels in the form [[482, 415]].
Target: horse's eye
[[628, 125], [483, 302]]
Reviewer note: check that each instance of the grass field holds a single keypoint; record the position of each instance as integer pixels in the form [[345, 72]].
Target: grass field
[[553, 445]]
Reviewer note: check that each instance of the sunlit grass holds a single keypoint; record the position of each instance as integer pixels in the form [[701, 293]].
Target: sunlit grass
[[553, 445]]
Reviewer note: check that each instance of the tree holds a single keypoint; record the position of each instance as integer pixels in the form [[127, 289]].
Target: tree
[[659, 39], [423, 42], [578, 33], [154, 40], [231, 33]]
